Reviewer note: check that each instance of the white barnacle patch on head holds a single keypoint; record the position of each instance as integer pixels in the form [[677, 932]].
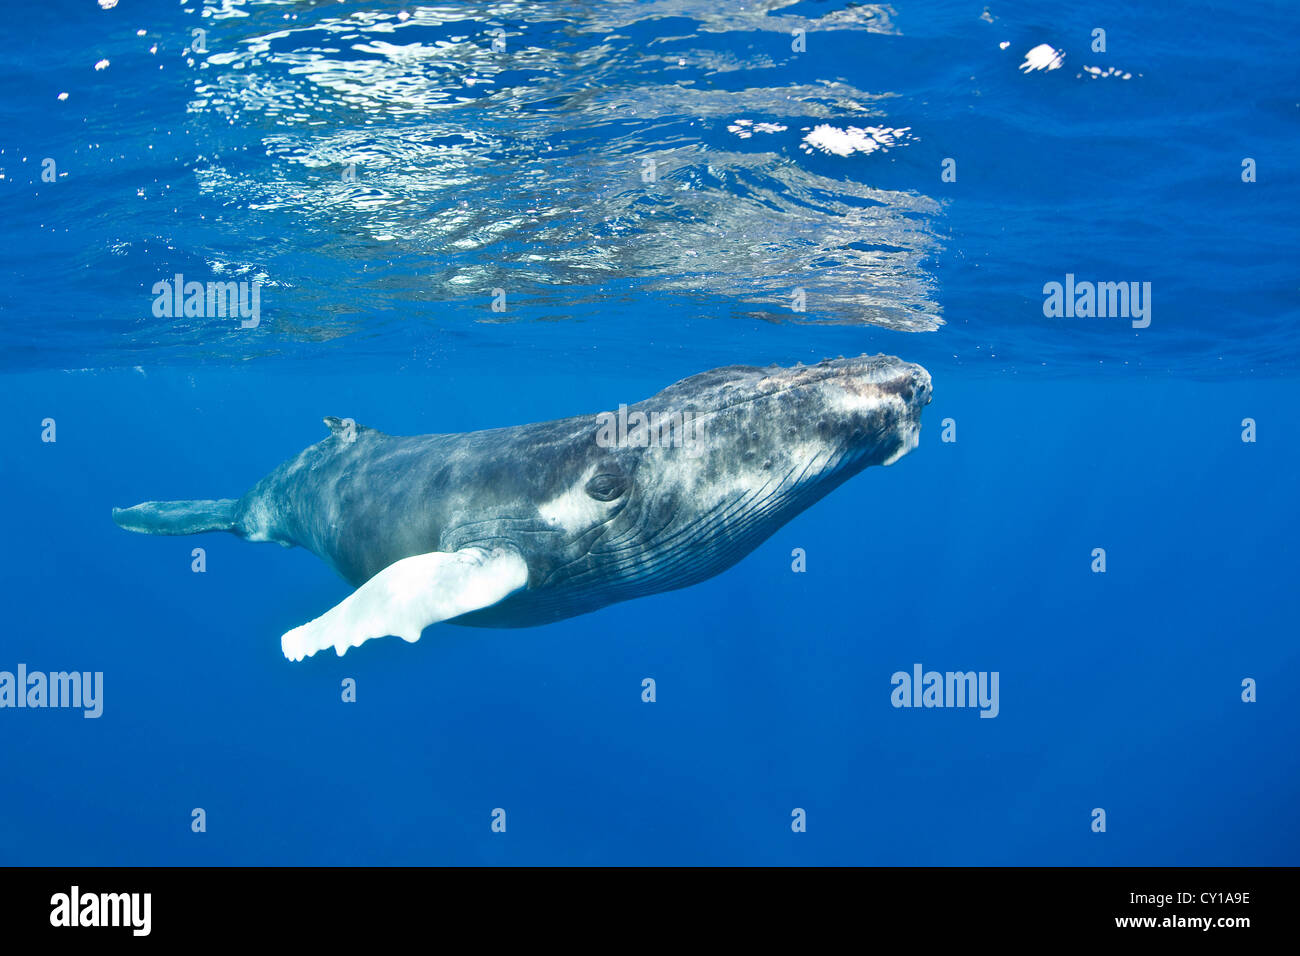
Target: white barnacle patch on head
[[851, 397], [855, 397]]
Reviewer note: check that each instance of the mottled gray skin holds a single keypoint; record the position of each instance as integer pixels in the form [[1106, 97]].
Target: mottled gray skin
[[594, 524]]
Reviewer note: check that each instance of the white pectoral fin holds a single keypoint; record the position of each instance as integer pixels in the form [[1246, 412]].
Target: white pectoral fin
[[408, 596]]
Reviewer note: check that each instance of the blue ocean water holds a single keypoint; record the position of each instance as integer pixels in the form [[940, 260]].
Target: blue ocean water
[[645, 191]]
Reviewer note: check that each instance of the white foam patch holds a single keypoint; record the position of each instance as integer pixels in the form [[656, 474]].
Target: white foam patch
[[408, 596], [746, 128], [1097, 73], [853, 139], [1042, 57]]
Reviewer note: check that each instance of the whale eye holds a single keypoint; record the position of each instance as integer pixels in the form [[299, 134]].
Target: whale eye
[[607, 486]]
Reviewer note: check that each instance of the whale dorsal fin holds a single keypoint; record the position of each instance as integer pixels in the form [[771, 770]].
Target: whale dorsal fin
[[340, 426], [346, 429], [408, 596]]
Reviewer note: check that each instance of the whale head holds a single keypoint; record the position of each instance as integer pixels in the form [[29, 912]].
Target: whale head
[[674, 489], [821, 421]]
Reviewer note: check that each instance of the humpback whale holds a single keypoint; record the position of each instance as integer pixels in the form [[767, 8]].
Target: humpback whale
[[512, 527]]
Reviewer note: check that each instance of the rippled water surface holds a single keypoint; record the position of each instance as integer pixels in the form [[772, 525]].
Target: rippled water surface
[[623, 170]]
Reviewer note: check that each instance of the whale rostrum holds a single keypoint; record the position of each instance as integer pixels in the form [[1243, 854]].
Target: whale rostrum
[[512, 527]]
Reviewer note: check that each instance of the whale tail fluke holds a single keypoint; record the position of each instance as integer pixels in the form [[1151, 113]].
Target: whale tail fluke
[[178, 517]]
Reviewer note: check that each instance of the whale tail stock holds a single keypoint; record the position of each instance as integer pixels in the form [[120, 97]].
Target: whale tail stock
[[178, 517], [222, 514]]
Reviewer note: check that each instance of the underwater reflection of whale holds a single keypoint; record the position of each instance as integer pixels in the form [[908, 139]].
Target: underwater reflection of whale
[[518, 526]]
